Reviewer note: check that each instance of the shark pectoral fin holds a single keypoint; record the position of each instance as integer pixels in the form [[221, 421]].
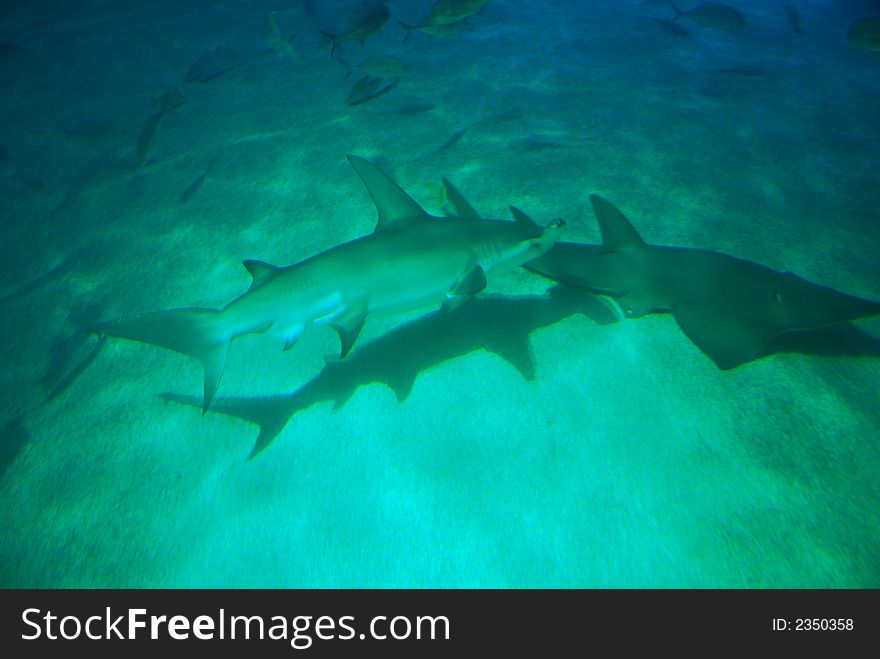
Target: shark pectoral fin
[[617, 231], [726, 338], [461, 205], [393, 204], [471, 283], [260, 271], [349, 326]]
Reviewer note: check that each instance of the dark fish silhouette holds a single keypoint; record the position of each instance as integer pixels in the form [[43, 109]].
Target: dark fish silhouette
[[672, 28], [369, 88], [441, 30], [167, 102], [214, 64], [729, 307], [446, 12], [147, 139], [194, 187], [794, 19], [366, 19], [713, 15]]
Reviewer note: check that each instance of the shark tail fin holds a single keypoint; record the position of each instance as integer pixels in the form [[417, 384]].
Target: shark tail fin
[[617, 231], [191, 331], [678, 12]]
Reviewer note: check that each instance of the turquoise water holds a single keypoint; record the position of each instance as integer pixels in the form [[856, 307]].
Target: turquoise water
[[527, 439]]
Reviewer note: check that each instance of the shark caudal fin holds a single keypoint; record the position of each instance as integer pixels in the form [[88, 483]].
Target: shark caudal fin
[[617, 231], [193, 332]]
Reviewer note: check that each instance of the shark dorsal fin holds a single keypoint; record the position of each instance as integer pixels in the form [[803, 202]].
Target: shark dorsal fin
[[522, 218], [617, 231], [394, 205], [459, 203], [260, 271]]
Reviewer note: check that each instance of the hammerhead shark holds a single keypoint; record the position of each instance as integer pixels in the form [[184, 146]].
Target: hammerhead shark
[[729, 307], [411, 260]]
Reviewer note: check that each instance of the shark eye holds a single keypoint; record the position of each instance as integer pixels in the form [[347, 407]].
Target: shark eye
[[558, 222]]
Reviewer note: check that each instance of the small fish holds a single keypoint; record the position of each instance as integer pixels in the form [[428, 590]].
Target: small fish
[[366, 19], [412, 108], [367, 88], [193, 187], [213, 64], [283, 45], [671, 28], [59, 270], [147, 138], [443, 30], [865, 34], [794, 19], [379, 67], [451, 141], [168, 100], [445, 12], [713, 15], [447, 17], [507, 115], [96, 133]]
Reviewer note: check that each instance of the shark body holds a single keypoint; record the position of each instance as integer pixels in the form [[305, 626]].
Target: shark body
[[412, 260], [729, 307]]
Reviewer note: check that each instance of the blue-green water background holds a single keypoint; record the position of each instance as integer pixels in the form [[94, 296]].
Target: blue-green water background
[[523, 441]]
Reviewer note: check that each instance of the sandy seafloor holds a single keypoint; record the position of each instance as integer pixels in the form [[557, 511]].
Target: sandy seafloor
[[541, 444]]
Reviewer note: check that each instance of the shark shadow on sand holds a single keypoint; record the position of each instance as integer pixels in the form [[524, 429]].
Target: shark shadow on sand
[[14, 436], [71, 353], [500, 325]]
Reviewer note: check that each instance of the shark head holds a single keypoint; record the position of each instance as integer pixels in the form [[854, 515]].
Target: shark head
[[520, 243]]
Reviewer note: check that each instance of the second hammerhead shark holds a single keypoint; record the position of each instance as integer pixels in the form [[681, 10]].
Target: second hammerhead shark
[[729, 307], [412, 260]]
